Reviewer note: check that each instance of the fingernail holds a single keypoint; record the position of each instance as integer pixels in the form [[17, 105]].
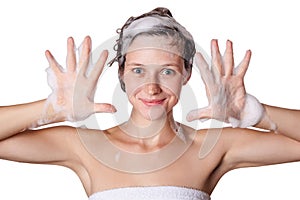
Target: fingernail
[[113, 109], [229, 43], [70, 39]]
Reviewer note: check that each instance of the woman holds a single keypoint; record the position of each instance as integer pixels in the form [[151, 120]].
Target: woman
[[152, 156]]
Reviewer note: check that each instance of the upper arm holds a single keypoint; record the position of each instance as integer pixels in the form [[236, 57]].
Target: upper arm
[[48, 146], [254, 148]]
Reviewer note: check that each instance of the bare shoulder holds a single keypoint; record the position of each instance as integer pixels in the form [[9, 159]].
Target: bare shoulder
[[221, 140], [220, 146], [224, 137], [209, 146], [212, 138]]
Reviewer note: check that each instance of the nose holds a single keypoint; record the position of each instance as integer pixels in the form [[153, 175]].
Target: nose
[[152, 84], [153, 89]]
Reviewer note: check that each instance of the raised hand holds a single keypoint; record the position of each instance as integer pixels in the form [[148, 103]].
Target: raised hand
[[224, 83], [73, 90]]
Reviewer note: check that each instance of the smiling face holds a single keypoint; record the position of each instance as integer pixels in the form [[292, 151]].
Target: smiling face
[[153, 80]]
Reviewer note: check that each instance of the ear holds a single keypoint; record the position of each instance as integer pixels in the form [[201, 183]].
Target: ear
[[187, 75]]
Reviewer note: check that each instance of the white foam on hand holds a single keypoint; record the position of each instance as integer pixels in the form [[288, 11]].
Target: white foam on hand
[[251, 114], [73, 87], [227, 97]]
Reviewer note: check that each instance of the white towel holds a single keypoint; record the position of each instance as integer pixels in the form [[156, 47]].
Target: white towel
[[151, 193]]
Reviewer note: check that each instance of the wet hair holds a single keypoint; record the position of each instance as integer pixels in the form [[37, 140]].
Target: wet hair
[[158, 22]]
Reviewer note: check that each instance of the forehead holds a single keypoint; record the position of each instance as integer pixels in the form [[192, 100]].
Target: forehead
[[153, 50], [152, 56]]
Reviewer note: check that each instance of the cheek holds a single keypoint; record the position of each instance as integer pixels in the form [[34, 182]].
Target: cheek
[[173, 86], [132, 84]]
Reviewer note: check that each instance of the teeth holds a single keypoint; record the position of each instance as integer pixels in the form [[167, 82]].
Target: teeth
[[153, 102]]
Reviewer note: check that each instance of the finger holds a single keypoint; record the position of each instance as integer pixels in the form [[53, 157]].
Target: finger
[[104, 108], [198, 114], [243, 66], [71, 57], [216, 59], [84, 57], [98, 68], [228, 61], [203, 67], [54, 65]]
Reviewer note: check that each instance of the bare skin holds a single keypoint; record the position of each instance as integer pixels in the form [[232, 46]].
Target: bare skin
[[63, 146]]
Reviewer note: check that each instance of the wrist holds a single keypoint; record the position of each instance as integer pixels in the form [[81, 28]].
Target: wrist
[[49, 114], [252, 113], [266, 121]]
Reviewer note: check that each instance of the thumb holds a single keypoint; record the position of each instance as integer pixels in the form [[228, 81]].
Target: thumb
[[104, 108], [201, 114]]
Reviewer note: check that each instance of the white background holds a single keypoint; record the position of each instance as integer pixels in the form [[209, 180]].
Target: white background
[[269, 28]]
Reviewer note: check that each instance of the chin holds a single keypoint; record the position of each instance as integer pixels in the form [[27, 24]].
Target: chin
[[153, 113], [157, 113]]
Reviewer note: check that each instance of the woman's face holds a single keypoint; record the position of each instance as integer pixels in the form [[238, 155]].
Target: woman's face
[[153, 80]]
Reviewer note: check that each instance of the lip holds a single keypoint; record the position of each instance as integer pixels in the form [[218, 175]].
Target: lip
[[153, 102]]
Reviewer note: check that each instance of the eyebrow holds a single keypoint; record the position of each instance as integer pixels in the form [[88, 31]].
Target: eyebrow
[[142, 65]]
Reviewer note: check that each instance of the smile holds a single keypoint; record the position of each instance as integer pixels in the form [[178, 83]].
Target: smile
[[153, 102]]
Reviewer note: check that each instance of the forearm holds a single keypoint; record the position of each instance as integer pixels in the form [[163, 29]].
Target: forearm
[[287, 121], [17, 118]]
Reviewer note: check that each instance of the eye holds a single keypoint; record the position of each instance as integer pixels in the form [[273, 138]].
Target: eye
[[168, 72], [138, 70]]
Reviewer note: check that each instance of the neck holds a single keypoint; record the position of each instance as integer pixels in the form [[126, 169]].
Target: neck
[[151, 133]]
